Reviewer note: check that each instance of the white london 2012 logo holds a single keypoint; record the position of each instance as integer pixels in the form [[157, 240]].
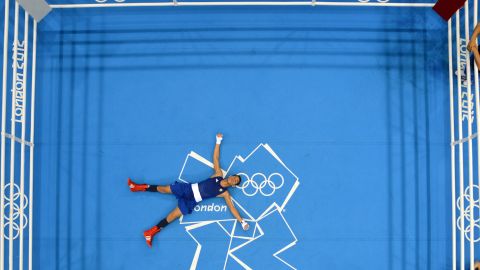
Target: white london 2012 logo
[[271, 187], [252, 185]]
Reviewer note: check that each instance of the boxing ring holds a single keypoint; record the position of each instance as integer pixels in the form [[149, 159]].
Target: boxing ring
[[74, 239]]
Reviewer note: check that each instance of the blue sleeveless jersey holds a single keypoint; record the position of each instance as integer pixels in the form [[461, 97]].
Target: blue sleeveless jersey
[[211, 187]]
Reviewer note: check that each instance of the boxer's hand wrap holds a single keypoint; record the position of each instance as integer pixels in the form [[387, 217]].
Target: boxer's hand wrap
[[245, 225]]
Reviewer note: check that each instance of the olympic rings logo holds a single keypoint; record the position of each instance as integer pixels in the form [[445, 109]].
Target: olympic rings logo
[[267, 186], [14, 220], [469, 203]]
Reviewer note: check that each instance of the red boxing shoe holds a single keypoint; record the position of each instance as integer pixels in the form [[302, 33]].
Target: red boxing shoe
[[149, 234], [137, 187], [134, 187]]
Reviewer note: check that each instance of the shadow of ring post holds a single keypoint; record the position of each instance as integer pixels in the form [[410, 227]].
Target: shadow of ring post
[[460, 145], [4, 115], [32, 129]]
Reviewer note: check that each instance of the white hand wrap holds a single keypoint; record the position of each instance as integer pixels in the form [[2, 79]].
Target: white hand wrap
[[244, 225], [219, 140]]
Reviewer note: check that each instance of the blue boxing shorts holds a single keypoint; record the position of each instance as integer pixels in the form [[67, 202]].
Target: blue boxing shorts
[[184, 194]]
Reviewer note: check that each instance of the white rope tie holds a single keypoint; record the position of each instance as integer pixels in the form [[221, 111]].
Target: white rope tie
[[9, 136]]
